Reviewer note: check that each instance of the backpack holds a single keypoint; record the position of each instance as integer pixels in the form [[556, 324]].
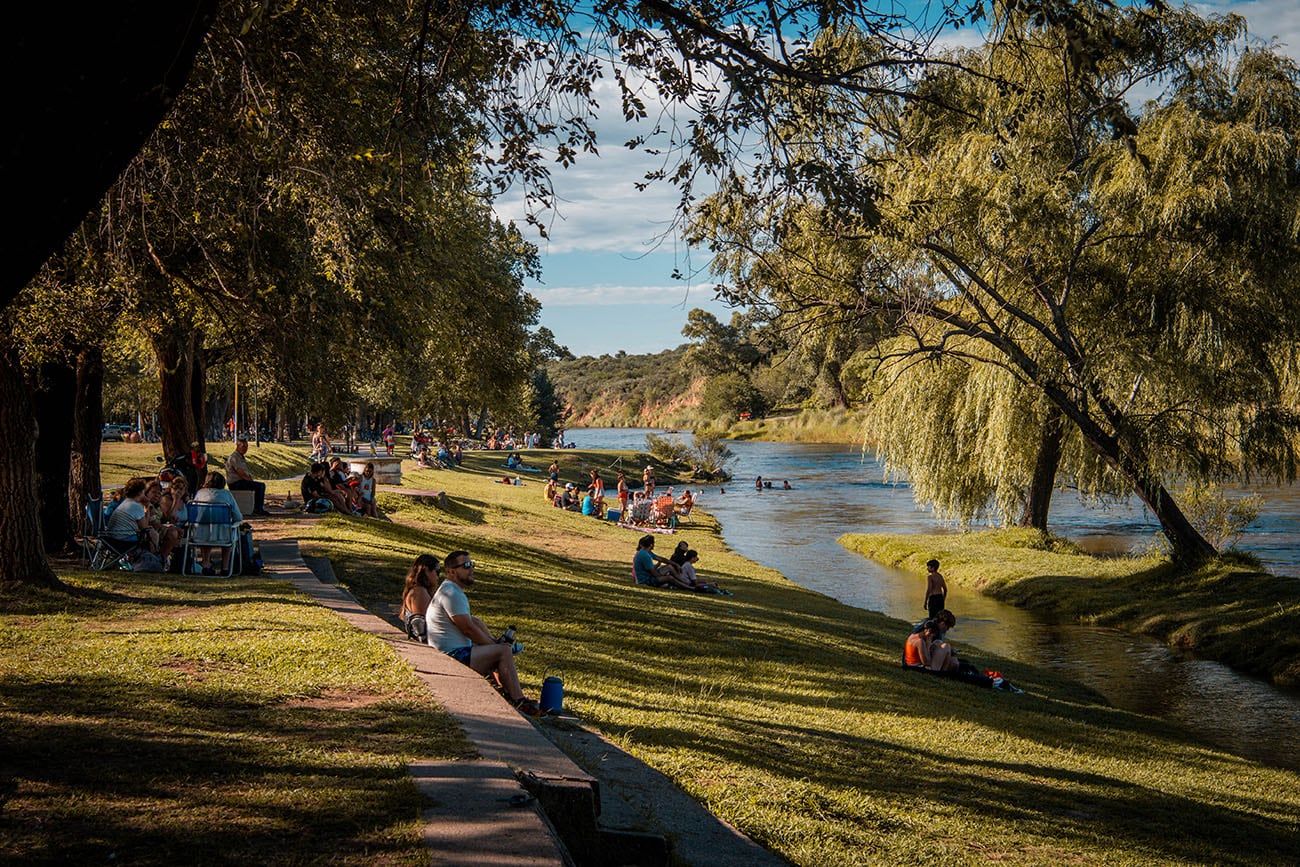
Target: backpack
[[319, 506], [147, 561], [417, 629]]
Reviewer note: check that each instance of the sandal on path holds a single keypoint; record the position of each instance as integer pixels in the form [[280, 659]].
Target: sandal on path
[[528, 707]]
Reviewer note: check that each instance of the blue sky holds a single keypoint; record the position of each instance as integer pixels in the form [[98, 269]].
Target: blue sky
[[608, 264]]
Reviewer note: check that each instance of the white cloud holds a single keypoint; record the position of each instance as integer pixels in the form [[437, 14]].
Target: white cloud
[[1267, 20], [607, 295]]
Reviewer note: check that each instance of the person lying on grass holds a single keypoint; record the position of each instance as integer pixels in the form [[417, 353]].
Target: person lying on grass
[[465, 638], [654, 571]]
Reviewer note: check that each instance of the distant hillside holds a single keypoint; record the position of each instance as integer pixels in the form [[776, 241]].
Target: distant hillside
[[627, 390]]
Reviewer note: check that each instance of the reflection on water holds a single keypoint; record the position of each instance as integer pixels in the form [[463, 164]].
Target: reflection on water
[[837, 490]]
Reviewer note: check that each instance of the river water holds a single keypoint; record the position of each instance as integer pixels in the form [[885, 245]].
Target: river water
[[836, 489]]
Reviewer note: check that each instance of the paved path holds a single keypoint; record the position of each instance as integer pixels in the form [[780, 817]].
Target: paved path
[[472, 821]]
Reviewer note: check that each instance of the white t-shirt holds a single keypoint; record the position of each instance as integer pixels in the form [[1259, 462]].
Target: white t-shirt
[[688, 572], [124, 523], [448, 600]]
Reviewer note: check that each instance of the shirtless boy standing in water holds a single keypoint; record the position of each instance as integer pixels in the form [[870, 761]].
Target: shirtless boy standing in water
[[936, 589]]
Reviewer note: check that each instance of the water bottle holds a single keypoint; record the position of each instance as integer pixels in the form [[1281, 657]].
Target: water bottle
[[508, 637], [552, 695]]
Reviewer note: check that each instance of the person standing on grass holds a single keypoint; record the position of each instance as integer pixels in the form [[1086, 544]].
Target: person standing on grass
[[623, 493], [240, 478], [936, 589], [465, 638]]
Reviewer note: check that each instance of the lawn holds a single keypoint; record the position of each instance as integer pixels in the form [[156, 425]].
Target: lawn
[[141, 711]]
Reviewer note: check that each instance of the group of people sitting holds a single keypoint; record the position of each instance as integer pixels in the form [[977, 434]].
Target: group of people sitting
[[330, 487], [591, 502], [678, 570], [153, 515], [441, 458], [928, 650], [438, 614]]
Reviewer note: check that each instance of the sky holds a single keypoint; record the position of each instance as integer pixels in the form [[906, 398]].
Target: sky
[[612, 251]]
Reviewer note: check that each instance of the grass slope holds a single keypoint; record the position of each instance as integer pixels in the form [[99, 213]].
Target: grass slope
[[787, 713], [1228, 609]]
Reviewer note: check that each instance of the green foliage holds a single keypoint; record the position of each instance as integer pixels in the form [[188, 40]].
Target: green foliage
[[670, 450], [1220, 518], [710, 457], [624, 390], [730, 394]]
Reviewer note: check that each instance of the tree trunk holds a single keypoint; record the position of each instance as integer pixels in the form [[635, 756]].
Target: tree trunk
[[55, 405], [175, 351], [830, 374], [87, 428], [1039, 498], [22, 547]]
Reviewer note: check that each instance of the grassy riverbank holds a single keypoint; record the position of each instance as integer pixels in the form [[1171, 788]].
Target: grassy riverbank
[[783, 711], [788, 715], [1228, 609], [805, 426]]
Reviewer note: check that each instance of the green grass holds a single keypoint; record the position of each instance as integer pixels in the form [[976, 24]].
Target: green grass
[[156, 719], [807, 426], [787, 713], [121, 461], [1229, 609]]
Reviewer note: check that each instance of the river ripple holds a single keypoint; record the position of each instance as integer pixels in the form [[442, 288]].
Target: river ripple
[[837, 490]]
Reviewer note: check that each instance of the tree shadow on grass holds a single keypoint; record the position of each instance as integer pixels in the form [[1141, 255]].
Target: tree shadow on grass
[[105, 770]]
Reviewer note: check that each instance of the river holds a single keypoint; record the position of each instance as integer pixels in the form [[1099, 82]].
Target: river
[[836, 489]]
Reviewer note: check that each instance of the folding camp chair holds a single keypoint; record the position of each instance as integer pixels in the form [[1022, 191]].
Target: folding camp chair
[[211, 525], [101, 552]]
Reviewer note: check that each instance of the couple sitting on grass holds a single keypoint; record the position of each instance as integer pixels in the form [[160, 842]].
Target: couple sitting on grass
[[441, 618], [650, 569], [926, 650]]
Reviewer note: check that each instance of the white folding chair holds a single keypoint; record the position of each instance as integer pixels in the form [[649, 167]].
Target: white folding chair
[[211, 525]]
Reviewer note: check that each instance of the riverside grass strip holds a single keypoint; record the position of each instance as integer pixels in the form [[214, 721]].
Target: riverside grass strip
[[787, 713], [1228, 609], [160, 719]]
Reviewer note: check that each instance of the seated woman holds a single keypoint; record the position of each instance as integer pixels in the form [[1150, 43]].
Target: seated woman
[[590, 507], [366, 491], [214, 491], [161, 527], [417, 593], [549, 493], [514, 462], [651, 570], [129, 521], [916, 652], [697, 583], [685, 502]]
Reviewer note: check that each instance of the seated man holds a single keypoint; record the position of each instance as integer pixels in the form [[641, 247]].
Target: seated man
[[315, 493], [465, 638], [590, 507], [240, 478], [650, 569], [569, 499]]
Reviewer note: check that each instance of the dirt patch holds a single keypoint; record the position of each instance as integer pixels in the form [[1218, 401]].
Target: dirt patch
[[336, 700]]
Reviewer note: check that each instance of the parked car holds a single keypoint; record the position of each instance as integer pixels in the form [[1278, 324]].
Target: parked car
[[115, 432]]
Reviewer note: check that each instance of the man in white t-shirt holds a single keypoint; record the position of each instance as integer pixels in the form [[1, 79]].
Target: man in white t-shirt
[[130, 519], [465, 638], [240, 478]]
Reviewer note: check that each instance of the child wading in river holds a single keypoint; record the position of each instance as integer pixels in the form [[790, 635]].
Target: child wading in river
[[936, 589]]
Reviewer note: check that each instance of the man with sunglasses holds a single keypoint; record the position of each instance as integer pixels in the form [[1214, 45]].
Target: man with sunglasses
[[465, 638]]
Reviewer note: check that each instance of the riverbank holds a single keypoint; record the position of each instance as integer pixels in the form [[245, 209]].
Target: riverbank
[[784, 712], [804, 426], [787, 713], [1228, 610]]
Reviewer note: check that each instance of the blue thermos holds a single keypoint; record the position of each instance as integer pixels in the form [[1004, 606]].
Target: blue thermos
[[552, 695]]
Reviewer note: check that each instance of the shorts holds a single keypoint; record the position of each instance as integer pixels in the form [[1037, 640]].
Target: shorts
[[934, 604], [461, 654]]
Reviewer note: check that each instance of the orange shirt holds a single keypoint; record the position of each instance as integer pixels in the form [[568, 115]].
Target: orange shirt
[[912, 650]]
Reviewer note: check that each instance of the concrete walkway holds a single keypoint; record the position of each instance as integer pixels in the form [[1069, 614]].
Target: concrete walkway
[[482, 814]]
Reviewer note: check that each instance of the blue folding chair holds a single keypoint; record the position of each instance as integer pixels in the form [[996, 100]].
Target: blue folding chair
[[101, 552], [211, 525]]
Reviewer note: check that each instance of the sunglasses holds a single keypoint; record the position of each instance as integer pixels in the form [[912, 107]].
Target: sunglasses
[[468, 564]]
